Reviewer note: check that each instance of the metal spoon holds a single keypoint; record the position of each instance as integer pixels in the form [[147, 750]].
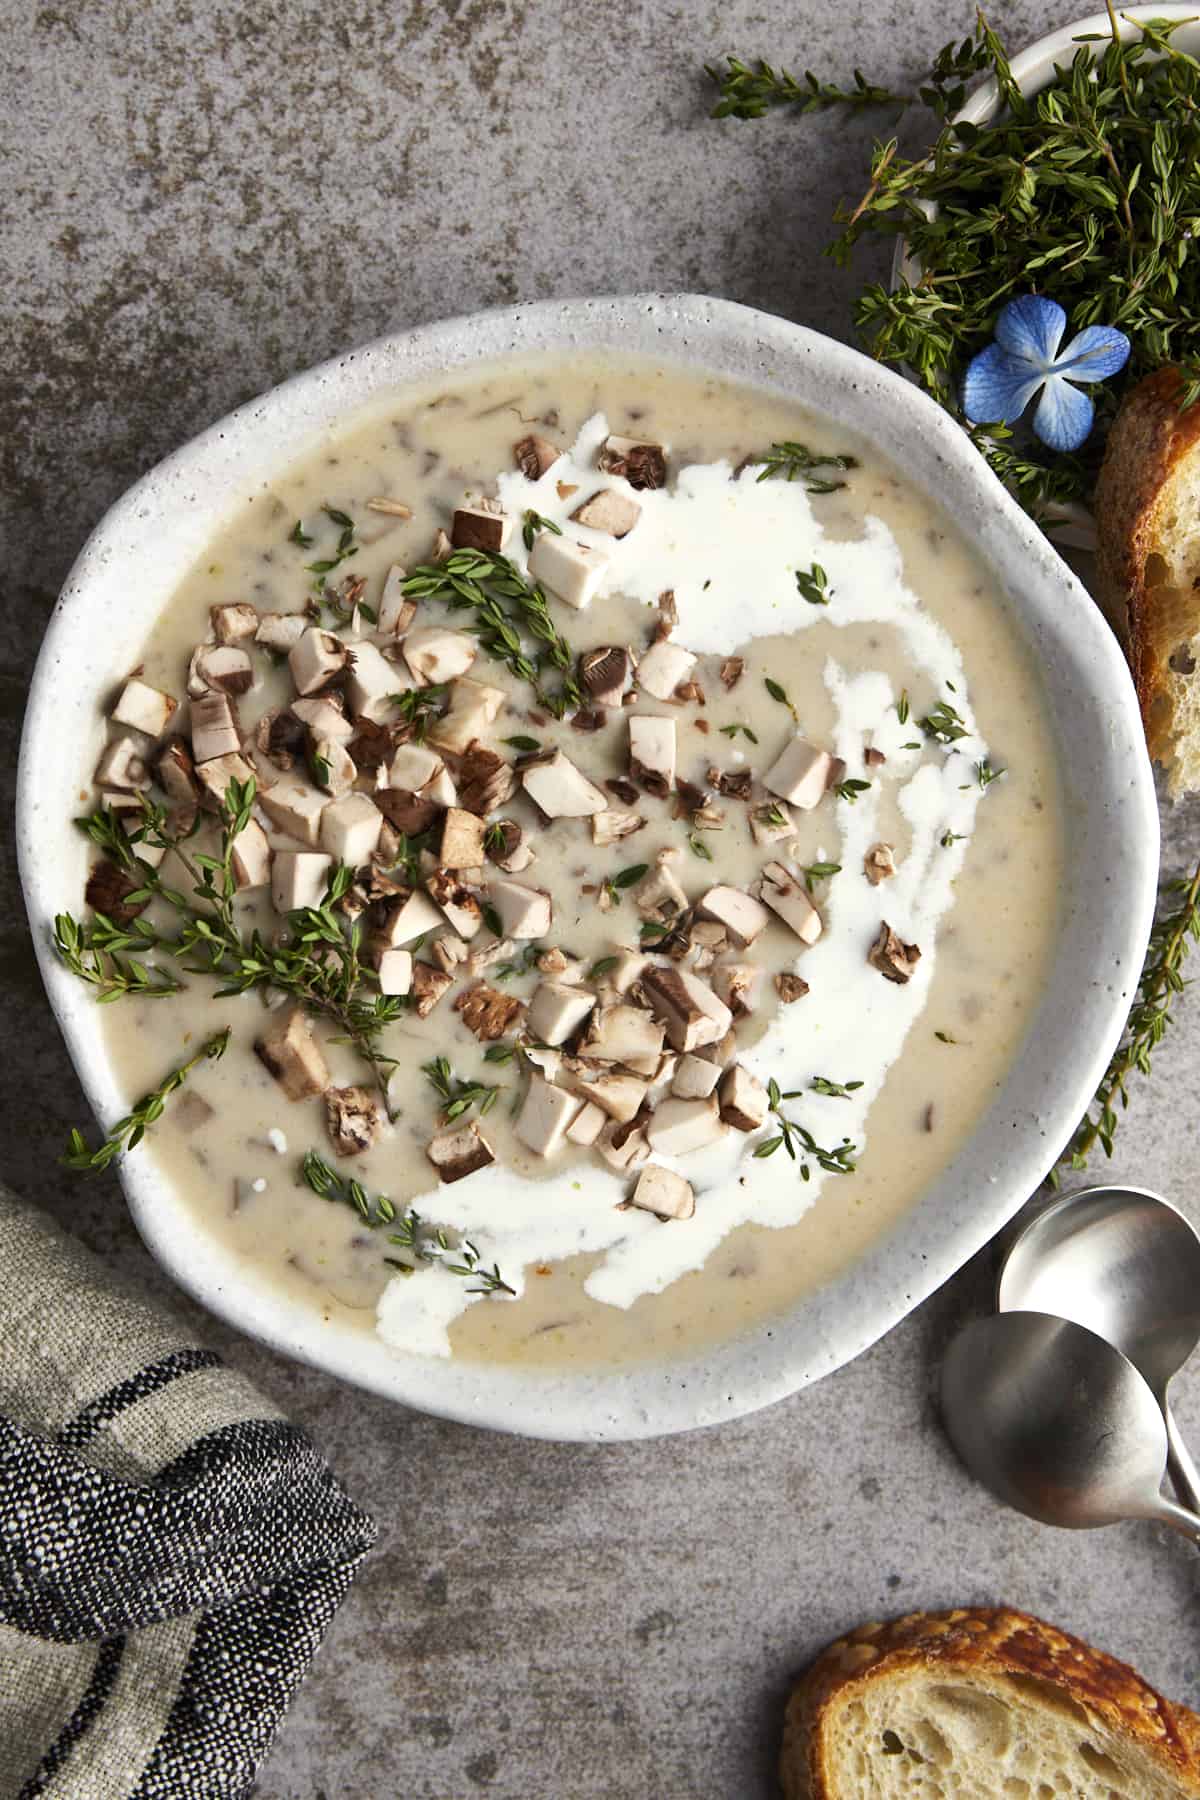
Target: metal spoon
[[1057, 1423], [1126, 1264]]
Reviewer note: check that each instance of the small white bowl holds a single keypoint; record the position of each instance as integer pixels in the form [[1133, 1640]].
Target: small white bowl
[[138, 554]]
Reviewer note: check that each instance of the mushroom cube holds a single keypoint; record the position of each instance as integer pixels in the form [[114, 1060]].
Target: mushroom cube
[[587, 1124], [786, 897], [224, 666], [234, 623], [395, 972], [523, 912], [216, 774], [323, 716], [177, 774], [316, 659], [290, 1051], [607, 674], [572, 571], [428, 986], [557, 1010], [436, 653], [652, 753], [473, 707], [620, 1096], [742, 1099], [370, 683], [560, 789], [143, 708], [462, 839], [295, 806], [281, 632], [664, 1192], [441, 790], [770, 824], [350, 829], [659, 896], [689, 1009], [353, 1119], [800, 775], [610, 826], [333, 767], [610, 511], [664, 666], [681, 1126], [412, 766], [622, 1033], [478, 528], [622, 1146], [743, 917], [879, 864], [533, 455], [545, 1114], [122, 765], [457, 902], [408, 918], [396, 611], [299, 878], [627, 970], [460, 1152], [739, 985], [695, 1079], [214, 732], [892, 956], [644, 465]]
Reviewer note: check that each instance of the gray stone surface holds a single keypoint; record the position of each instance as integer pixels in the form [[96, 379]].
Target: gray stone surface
[[199, 199]]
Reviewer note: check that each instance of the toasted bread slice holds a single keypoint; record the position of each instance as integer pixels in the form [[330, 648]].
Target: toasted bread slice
[[982, 1704], [1147, 509]]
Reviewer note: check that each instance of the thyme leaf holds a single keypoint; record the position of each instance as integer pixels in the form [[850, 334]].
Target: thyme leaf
[[128, 1132]]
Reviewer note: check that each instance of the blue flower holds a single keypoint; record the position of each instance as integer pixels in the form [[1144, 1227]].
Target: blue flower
[[1025, 358]]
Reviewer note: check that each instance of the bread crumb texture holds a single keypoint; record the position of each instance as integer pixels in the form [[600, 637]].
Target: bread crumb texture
[[982, 1704]]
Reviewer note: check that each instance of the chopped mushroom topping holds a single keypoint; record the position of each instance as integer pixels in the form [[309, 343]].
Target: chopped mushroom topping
[[396, 611], [607, 674], [216, 774], [790, 988], [624, 1034], [436, 654], [642, 465], [620, 1096], [457, 902], [235, 623], [250, 857], [652, 753], [144, 708], [395, 972], [475, 528], [743, 917], [739, 985], [681, 1126], [610, 826], [545, 1114], [288, 1049], [743, 1099], [107, 890], [608, 511], [658, 895], [371, 682], [695, 1078], [570, 570], [448, 951], [534, 455], [411, 814], [455, 1154], [214, 732], [224, 666], [879, 864], [892, 957], [731, 671], [316, 660], [177, 773], [350, 829], [770, 824], [485, 780], [664, 1192], [280, 632], [561, 790], [428, 986], [504, 843], [690, 1010], [786, 896], [663, 667], [324, 716], [622, 1146], [333, 767], [523, 912], [557, 1010], [462, 839], [282, 738], [407, 919], [487, 1012], [299, 878], [353, 1118], [587, 1125], [801, 775]]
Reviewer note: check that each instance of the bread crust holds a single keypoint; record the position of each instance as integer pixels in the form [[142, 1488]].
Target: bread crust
[[984, 1641], [1149, 439]]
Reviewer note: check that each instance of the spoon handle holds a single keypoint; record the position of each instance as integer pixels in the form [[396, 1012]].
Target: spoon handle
[[1178, 1518], [1183, 1472]]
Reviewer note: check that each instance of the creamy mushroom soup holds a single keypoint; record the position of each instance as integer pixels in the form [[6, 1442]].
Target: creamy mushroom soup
[[654, 851]]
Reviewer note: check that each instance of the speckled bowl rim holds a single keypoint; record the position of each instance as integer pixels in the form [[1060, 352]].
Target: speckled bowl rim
[[148, 539]]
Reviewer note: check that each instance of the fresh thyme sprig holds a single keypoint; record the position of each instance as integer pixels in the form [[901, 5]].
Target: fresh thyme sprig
[[535, 522], [813, 585], [128, 1132], [504, 604], [780, 693], [99, 954], [615, 886], [797, 462], [943, 723], [834, 1090], [747, 93], [839, 1161], [325, 1181], [458, 1097], [417, 708], [850, 789], [346, 546], [732, 731], [819, 871]]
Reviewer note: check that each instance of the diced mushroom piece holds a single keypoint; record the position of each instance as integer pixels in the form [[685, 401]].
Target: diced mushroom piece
[[460, 1152], [408, 813], [107, 892], [572, 571], [250, 856], [658, 895], [892, 957], [350, 829], [624, 1034], [607, 674], [281, 739], [879, 864], [786, 897], [731, 671], [557, 1010], [620, 1096], [216, 774], [191, 1111], [562, 791], [177, 773], [224, 666], [478, 528], [722, 1051], [770, 824], [448, 951], [428, 986], [407, 919], [623, 1146], [610, 511], [122, 765], [680, 1126], [281, 632], [290, 1051], [144, 708], [523, 912], [459, 905], [316, 660], [473, 707], [295, 806], [370, 683], [628, 969], [333, 767], [790, 988], [324, 717], [743, 917], [800, 775], [610, 826], [487, 1012], [663, 667], [739, 985], [395, 972], [643, 465], [652, 753], [413, 766], [545, 1114], [462, 839], [664, 1192], [742, 1099], [214, 732], [440, 789], [533, 455], [353, 1118], [695, 1078], [688, 1008], [396, 611], [587, 1125], [436, 653], [299, 878], [234, 623]]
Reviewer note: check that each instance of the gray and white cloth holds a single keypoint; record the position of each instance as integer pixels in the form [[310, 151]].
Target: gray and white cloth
[[171, 1548]]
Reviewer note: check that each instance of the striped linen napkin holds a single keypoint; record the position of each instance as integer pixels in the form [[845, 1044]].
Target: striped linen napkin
[[171, 1548]]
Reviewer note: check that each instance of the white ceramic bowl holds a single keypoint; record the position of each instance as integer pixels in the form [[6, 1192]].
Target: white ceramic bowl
[[125, 575]]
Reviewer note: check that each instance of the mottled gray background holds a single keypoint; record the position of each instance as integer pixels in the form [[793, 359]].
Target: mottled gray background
[[196, 201]]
